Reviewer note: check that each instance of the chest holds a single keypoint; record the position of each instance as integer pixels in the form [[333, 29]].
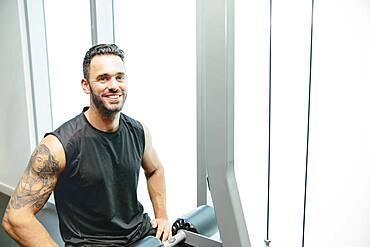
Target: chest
[[107, 161]]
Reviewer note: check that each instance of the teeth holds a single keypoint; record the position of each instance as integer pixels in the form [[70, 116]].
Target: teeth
[[113, 96]]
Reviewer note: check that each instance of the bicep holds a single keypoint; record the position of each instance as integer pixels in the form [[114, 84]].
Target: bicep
[[40, 176], [151, 161]]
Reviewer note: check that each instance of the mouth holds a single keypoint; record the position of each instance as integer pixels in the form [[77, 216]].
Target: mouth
[[113, 97]]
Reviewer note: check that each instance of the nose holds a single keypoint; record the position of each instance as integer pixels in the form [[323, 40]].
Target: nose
[[113, 84]]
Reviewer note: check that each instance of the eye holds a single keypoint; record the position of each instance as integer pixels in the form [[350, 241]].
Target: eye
[[103, 79], [121, 78]]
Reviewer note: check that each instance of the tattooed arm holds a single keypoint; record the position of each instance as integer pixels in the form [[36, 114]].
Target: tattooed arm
[[32, 192]]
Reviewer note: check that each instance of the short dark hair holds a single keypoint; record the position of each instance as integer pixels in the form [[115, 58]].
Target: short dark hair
[[101, 49]]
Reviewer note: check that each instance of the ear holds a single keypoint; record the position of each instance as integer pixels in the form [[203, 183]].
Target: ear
[[85, 86]]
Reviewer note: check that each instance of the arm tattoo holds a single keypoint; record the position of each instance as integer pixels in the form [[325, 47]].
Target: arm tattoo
[[38, 180]]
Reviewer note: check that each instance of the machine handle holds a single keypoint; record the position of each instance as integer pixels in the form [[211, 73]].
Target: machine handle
[[174, 240]]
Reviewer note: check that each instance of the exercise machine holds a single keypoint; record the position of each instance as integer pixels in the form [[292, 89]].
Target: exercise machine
[[193, 229]]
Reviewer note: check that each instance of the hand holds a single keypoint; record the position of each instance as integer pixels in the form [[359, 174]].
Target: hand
[[163, 228]]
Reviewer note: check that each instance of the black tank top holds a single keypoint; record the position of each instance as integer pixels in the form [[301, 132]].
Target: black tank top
[[95, 195]]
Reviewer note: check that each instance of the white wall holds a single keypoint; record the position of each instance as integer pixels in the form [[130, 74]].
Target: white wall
[[17, 136]]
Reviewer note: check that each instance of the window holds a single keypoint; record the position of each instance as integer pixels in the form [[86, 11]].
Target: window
[[68, 39], [159, 41], [338, 148], [289, 81]]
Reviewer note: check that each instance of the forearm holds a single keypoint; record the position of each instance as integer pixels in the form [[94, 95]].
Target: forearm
[[27, 231], [157, 192], [154, 172]]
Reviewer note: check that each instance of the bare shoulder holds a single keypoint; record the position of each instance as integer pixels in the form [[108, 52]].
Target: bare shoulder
[[55, 148], [151, 161], [148, 138], [39, 178]]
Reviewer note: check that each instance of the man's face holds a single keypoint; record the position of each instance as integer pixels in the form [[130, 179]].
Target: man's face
[[107, 80]]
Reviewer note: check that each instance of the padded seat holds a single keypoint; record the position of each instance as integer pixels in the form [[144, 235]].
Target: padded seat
[[149, 241]]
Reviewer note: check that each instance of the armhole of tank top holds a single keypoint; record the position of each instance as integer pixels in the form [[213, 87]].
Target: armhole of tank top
[[144, 136], [132, 122], [64, 147]]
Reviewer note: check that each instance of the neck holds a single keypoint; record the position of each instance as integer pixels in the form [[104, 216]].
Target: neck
[[102, 122]]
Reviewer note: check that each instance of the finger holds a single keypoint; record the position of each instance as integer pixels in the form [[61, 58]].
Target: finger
[[159, 232], [170, 232], [166, 234], [154, 223]]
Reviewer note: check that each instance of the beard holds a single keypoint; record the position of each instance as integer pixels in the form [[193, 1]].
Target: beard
[[108, 110]]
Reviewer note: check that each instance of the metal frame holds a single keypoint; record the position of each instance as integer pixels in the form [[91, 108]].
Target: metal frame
[[39, 67], [197, 240], [102, 21], [201, 121], [215, 104]]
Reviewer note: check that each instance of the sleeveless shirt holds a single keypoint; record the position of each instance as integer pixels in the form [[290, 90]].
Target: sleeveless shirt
[[95, 195]]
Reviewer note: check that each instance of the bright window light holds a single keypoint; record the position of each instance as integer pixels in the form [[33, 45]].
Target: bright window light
[[159, 40], [68, 38]]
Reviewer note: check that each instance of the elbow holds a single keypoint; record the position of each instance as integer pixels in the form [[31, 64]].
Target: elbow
[[6, 224], [13, 220], [158, 172]]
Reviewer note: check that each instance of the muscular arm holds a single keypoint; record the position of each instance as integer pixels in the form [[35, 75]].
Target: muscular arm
[[154, 173], [32, 192]]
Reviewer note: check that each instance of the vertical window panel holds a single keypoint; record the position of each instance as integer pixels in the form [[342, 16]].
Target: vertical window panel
[[159, 40], [289, 78], [68, 38], [338, 202], [251, 113], [337, 198]]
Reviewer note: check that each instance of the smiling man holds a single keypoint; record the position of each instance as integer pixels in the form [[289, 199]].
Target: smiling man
[[92, 163]]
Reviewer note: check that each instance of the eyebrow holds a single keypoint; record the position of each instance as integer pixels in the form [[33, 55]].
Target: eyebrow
[[106, 74]]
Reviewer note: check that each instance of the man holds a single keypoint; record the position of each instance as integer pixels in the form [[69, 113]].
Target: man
[[92, 164]]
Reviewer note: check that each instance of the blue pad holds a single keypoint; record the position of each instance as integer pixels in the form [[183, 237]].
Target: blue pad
[[149, 241]]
